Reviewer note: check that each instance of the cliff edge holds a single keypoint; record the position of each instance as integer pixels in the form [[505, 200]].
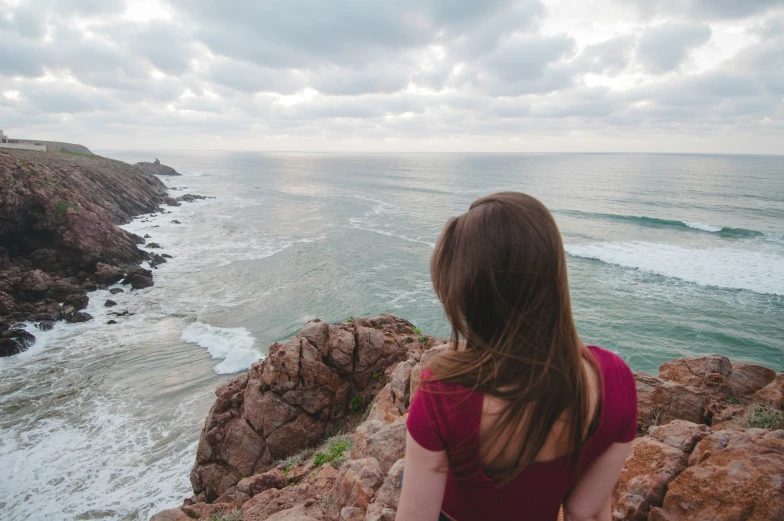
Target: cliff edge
[[58, 235], [710, 441]]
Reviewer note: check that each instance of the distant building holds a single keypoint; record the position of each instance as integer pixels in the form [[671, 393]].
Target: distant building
[[3, 137]]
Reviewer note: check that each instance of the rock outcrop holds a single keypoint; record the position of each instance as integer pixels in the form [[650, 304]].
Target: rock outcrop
[[304, 390], [156, 168], [58, 233], [677, 470]]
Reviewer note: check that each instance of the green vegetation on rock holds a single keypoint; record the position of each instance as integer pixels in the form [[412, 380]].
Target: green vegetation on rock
[[334, 453], [763, 417]]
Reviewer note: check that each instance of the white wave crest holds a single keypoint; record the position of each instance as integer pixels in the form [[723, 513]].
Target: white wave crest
[[233, 344], [730, 268], [703, 227]]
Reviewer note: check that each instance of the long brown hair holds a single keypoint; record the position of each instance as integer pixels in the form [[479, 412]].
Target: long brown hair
[[500, 272]]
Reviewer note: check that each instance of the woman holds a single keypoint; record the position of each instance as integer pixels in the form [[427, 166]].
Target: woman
[[522, 417]]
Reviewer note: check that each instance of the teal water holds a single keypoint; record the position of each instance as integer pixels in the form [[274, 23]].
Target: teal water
[[669, 255]]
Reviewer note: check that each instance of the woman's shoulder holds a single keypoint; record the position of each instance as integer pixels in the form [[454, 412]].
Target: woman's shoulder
[[620, 389]]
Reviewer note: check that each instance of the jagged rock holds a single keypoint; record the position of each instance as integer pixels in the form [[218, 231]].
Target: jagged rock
[[109, 303], [174, 514], [291, 399], [661, 401], [155, 168], [58, 218], [175, 221], [111, 322], [77, 301], [108, 274], [384, 506], [355, 486], [384, 442], [709, 373], [772, 394], [7, 303], [138, 278], [650, 466], [115, 291], [733, 475], [79, 316], [13, 341], [46, 325], [749, 378], [153, 245], [166, 256]]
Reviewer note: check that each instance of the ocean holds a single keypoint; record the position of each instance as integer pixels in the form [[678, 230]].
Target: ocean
[[669, 255]]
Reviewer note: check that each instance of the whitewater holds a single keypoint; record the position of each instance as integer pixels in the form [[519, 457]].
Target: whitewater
[[668, 256]]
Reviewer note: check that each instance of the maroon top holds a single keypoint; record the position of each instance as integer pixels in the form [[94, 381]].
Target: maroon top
[[449, 418]]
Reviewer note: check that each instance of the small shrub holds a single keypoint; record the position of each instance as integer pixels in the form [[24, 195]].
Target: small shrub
[[733, 400], [763, 417], [375, 374], [416, 330], [63, 207], [334, 453], [350, 320], [409, 340], [234, 515], [423, 340], [356, 403], [80, 154]]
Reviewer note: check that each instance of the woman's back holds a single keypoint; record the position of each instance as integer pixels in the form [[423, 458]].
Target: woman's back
[[511, 414], [448, 417]]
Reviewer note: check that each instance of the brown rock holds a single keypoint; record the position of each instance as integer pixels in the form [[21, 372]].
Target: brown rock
[[749, 378], [386, 443], [7, 303], [385, 504], [736, 476], [77, 300], [681, 434], [384, 407], [650, 466], [290, 400], [355, 486], [710, 373], [35, 284], [675, 401], [772, 394], [260, 482], [647, 414], [108, 274], [174, 514]]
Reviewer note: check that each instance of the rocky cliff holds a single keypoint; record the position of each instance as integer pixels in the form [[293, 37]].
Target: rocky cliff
[[58, 235], [156, 168], [710, 443]]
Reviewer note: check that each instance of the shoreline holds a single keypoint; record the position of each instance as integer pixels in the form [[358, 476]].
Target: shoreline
[[79, 203]]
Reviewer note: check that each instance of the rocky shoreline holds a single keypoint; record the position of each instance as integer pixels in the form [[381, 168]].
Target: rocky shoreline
[[59, 238], [710, 439]]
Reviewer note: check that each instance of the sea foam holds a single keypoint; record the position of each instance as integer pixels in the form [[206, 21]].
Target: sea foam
[[233, 344], [729, 268]]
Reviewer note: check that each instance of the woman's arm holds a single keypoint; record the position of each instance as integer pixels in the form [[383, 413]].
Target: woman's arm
[[591, 497], [424, 481]]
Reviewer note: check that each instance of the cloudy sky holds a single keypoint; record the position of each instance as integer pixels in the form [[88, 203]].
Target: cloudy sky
[[404, 75]]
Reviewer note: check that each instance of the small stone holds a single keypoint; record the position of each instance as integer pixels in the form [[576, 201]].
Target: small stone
[[175, 221], [115, 291], [153, 245], [109, 303], [112, 322]]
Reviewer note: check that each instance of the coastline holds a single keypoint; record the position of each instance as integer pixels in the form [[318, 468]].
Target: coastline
[[62, 237], [309, 435]]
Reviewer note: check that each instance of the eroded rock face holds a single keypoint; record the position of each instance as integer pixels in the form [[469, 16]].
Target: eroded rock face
[[58, 217], [678, 471], [293, 398], [732, 476], [156, 168]]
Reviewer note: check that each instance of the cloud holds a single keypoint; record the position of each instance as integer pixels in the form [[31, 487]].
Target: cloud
[[458, 74], [665, 47]]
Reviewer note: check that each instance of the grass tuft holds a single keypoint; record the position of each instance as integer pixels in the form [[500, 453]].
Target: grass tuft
[[334, 452], [356, 403], [763, 417], [80, 154], [416, 330], [234, 515]]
